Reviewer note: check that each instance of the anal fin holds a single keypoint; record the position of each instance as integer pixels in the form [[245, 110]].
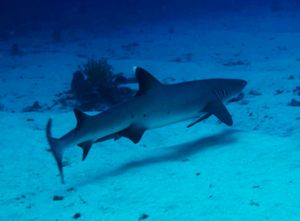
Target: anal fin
[[86, 146], [133, 133]]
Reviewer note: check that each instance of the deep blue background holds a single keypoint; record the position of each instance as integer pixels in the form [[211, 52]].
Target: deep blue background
[[15, 14]]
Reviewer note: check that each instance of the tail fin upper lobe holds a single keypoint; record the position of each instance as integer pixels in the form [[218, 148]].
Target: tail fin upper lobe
[[56, 149]]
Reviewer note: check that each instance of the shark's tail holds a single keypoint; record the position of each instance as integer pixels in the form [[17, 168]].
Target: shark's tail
[[56, 149]]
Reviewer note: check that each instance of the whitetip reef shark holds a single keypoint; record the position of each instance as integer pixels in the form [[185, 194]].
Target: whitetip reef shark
[[154, 105]]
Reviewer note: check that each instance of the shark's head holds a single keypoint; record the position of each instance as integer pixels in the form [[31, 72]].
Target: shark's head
[[226, 89]]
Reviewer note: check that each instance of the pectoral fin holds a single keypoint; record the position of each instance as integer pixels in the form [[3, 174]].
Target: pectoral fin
[[218, 109], [203, 117]]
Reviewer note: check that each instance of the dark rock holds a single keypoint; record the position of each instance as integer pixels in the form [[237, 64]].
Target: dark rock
[[186, 57], [297, 90], [20, 197], [33, 108], [233, 63], [253, 203], [294, 103], [57, 198], [76, 216], [177, 60], [254, 93], [282, 48], [291, 77], [277, 92], [143, 216], [71, 189]]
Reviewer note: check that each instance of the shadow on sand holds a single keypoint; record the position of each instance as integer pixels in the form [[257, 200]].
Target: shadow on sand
[[175, 153]]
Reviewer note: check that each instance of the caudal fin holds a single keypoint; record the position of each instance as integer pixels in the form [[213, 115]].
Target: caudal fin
[[56, 149]]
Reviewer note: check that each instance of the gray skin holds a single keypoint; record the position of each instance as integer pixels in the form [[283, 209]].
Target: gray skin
[[155, 105]]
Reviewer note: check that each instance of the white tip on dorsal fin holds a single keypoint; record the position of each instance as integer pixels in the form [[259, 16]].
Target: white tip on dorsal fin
[[145, 80]]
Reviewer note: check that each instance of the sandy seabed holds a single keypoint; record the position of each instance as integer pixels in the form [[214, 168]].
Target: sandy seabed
[[208, 172]]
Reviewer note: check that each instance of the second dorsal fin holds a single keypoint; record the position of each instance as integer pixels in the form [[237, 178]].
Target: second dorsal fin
[[146, 81]]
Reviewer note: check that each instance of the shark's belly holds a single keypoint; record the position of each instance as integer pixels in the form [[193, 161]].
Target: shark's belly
[[168, 119], [164, 115]]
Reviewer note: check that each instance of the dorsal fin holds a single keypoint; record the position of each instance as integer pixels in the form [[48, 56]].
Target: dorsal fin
[[146, 81], [80, 117]]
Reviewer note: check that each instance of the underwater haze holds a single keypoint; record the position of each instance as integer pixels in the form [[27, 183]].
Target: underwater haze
[[159, 142]]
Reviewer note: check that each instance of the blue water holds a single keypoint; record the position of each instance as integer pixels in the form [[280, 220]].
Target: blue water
[[210, 171], [16, 14]]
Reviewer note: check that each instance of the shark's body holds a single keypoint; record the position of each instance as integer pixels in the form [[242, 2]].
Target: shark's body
[[155, 105]]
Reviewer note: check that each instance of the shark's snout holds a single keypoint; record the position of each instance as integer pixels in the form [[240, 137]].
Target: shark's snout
[[239, 85], [243, 83], [232, 87]]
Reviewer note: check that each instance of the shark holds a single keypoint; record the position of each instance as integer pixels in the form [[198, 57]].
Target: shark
[[154, 105]]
